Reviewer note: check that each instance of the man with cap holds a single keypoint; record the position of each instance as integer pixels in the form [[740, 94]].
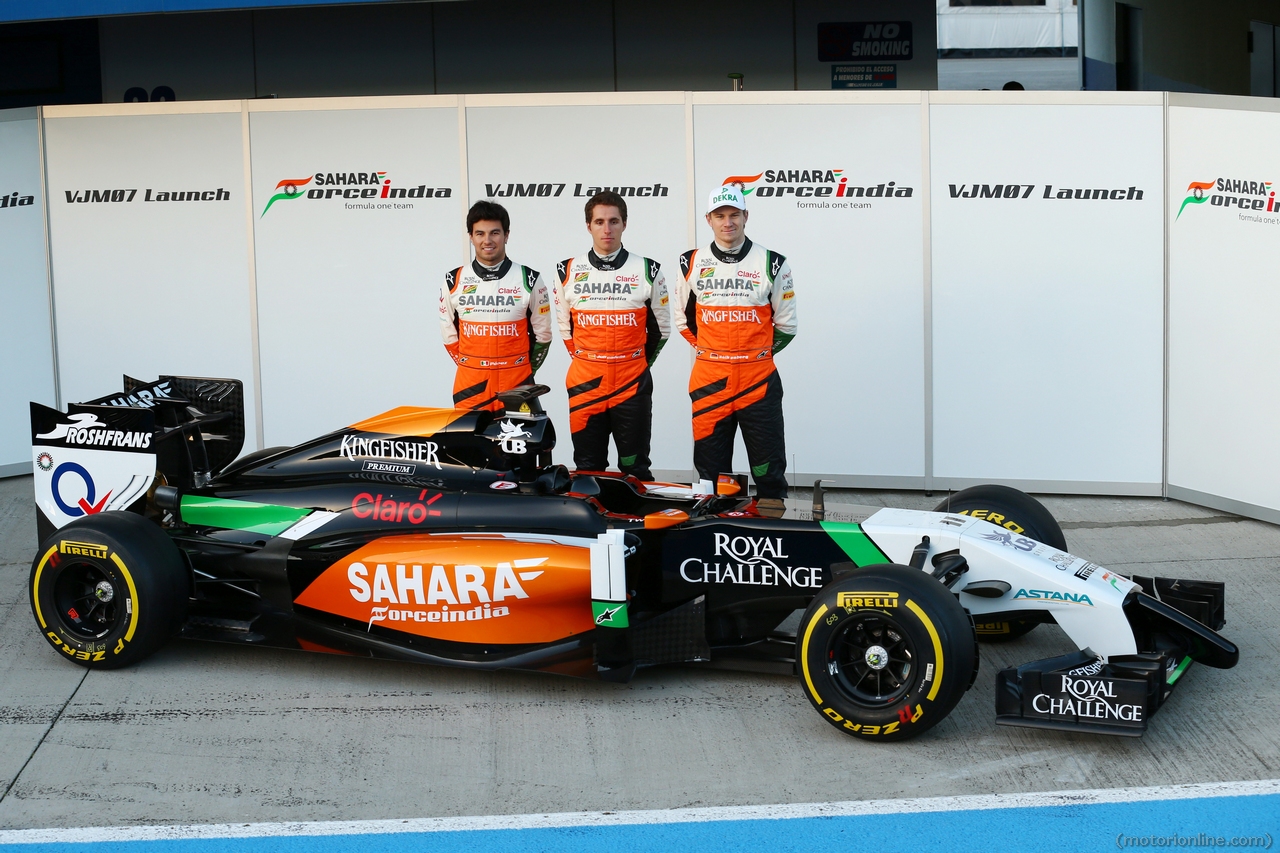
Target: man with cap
[[614, 318], [735, 303], [495, 316]]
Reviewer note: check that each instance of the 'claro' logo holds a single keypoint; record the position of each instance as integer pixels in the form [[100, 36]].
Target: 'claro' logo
[[366, 187]]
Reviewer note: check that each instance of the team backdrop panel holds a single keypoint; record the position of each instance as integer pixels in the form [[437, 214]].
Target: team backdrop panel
[[26, 350], [1047, 294], [1224, 354], [1042, 287], [836, 188], [356, 212], [149, 246], [542, 163]]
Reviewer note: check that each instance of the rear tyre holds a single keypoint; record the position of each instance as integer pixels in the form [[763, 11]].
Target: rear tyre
[[1014, 511], [885, 652], [108, 589]]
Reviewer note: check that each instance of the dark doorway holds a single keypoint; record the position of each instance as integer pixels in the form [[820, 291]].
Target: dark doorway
[[1128, 48], [50, 62]]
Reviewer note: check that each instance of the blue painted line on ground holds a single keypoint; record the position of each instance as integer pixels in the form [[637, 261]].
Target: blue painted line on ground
[[1182, 823]]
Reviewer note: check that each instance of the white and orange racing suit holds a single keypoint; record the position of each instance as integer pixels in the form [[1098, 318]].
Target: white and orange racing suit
[[737, 309], [614, 317], [496, 325]]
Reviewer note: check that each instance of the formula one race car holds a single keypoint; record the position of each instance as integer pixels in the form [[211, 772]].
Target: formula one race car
[[447, 537]]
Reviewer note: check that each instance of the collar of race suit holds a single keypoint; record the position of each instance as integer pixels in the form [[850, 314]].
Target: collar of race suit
[[488, 273], [608, 263], [731, 256]]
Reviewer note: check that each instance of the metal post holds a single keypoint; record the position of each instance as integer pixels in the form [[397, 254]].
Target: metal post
[[737, 81]]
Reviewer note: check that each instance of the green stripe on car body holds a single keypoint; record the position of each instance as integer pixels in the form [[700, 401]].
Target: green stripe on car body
[[858, 545], [231, 514], [1177, 673]]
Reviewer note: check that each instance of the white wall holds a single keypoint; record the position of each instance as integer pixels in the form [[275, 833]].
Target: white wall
[[1047, 312], [347, 295], [26, 350], [142, 287], [1224, 353], [853, 378]]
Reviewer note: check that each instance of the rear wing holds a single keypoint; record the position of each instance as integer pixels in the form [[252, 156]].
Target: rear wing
[[107, 453]]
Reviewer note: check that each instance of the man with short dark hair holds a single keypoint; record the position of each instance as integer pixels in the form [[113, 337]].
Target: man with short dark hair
[[735, 303], [614, 318], [495, 316]]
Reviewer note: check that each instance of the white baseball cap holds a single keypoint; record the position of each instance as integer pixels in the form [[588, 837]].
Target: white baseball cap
[[726, 197]]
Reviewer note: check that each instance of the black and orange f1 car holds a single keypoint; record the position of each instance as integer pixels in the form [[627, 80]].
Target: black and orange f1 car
[[448, 537]]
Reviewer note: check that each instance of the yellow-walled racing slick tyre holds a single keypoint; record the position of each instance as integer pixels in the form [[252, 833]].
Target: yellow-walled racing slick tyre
[[885, 652], [108, 589], [1017, 512]]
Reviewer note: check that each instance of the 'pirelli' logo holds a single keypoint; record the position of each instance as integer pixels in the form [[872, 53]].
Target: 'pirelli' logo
[[83, 549], [862, 600]]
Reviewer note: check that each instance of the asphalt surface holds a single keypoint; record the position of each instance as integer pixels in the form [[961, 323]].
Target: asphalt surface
[[211, 733]]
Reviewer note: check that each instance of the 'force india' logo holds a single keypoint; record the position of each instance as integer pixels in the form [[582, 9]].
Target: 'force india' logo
[[1246, 195], [812, 183], [442, 590], [350, 185]]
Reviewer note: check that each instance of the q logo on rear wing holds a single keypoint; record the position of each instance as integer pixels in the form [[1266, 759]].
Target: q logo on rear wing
[[90, 460]]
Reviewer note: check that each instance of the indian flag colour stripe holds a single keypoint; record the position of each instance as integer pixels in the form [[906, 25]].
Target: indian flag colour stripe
[[1196, 188], [292, 184]]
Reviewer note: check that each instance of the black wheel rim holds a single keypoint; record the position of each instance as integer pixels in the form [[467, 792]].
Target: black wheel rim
[[872, 660], [88, 600]]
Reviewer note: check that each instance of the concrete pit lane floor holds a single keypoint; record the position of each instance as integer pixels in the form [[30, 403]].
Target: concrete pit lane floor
[[203, 732]]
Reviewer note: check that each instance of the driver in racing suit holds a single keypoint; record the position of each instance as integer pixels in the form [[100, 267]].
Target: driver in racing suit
[[614, 318], [735, 302], [495, 316]]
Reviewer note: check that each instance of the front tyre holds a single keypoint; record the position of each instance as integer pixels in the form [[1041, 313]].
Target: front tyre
[[1019, 513], [1009, 508], [885, 652], [108, 589]]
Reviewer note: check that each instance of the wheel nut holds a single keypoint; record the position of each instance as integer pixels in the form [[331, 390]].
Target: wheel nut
[[105, 592], [877, 657]]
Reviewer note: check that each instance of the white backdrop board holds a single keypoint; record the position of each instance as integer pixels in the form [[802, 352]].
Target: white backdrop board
[[348, 279], [983, 278], [567, 153], [1224, 353], [149, 246], [853, 378], [1048, 294], [26, 348]]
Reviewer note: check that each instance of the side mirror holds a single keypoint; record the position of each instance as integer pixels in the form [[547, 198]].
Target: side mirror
[[728, 485], [819, 500]]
